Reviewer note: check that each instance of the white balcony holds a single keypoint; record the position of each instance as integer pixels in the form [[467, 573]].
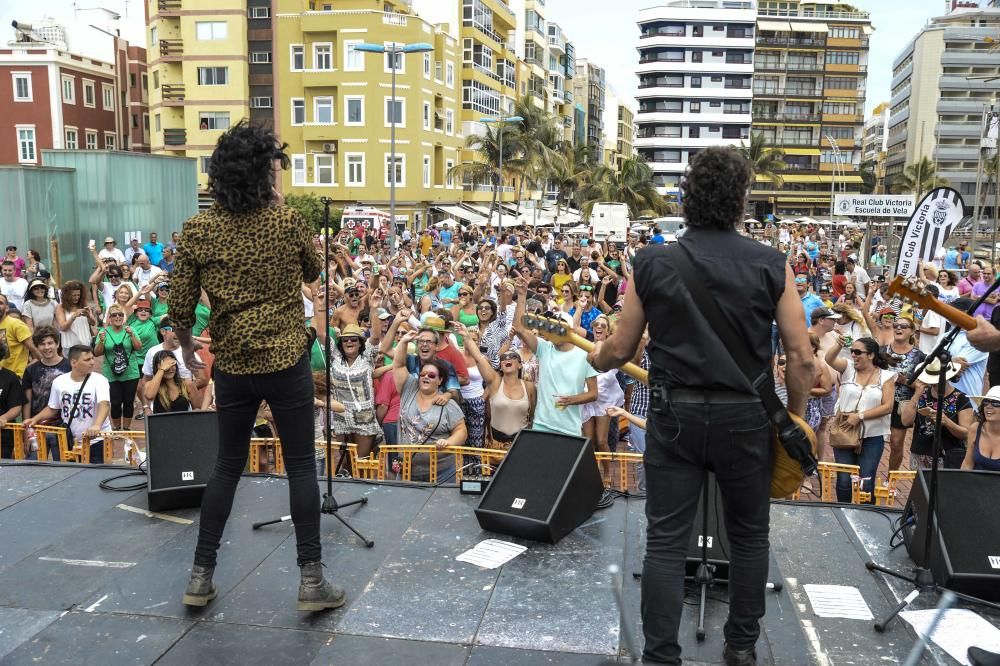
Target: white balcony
[[695, 118], [709, 41], [689, 93], [667, 167], [705, 68], [666, 143], [695, 15]]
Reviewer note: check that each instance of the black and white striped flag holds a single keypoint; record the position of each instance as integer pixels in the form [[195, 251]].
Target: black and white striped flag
[[929, 227]]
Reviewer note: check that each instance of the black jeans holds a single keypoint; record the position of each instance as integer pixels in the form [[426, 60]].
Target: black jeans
[[289, 393], [683, 440], [122, 394]]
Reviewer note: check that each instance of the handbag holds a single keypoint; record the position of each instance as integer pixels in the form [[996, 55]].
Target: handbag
[[842, 434], [72, 412], [793, 441]]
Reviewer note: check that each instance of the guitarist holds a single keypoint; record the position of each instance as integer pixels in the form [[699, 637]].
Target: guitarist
[[704, 413]]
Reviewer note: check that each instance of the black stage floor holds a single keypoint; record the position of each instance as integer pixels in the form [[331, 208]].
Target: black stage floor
[[85, 580]]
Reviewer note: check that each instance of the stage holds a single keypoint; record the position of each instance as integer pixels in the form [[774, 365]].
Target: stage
[[89, 577]]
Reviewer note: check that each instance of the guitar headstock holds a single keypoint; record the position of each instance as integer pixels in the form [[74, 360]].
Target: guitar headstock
[[553, 330], [912, 290]]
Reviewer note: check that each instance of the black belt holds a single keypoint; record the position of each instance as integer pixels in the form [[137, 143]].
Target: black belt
[[707, 397]]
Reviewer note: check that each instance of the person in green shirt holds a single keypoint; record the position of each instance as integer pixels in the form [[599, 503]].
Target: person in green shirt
[[117, 343], [161, 298], [145, 327]]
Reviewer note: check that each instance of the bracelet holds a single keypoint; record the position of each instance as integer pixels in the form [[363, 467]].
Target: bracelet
[[861, 415]]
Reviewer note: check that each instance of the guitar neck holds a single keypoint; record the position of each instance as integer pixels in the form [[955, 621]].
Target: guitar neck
[[630, 369], [958, 317]]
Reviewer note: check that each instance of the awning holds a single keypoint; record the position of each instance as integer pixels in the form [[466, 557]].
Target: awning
[[801, 151], [460, 213], [776, 26], [800, 26], [867, 29], [801, 178], [505, 220]]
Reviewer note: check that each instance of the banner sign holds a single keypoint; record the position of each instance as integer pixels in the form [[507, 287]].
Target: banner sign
[[874, 205], [929, 227]]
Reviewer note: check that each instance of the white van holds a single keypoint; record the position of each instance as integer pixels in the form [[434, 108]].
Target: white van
[[610, 220]]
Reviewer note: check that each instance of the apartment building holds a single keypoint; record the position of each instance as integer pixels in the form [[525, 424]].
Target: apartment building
[[943, 82], [562, 69], [199, 75], [618, 122], [589, 90], [334, 106], [695, 82], [875, 142], [810, 74], [133, 89]]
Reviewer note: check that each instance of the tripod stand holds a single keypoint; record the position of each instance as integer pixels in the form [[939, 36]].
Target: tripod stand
[[922, 578], [330, 505]]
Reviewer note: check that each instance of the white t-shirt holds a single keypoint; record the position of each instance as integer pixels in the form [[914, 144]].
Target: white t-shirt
[[144, 277], [870, 397], [14, 291], [182, 370], [927, 341], [63, 395], [113, 253], [594, 278]]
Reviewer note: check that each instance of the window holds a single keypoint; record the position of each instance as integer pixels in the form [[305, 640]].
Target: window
[[843, 32], [734, 132], [354, 111], [427, 115], [205, 161], [68, 90], [145, 82], [694, 132], [393, 60], [91, 138], [109, 141], [154, 36], [260, 12], [322, 56], [466, 50], [449, 74], [840, 108], [716, 79], [354, 167], [213, 120], [298, 169], [736, 107], [298, 111], [213, 76], [323, 169], [842, 57], [399, 172], [839, 132], [841, 82], [323, 110], [695, 107], [449, 121], [260, 102], [260, 57], [22, 86], [449, 177], [89, 94], [72, 139], [696, 82], [156, 79], [427, 171], [135, 120], [145, 121], [298, 57], [156, 123], [481, 98], [354, 60], [108, 97], [26, 144], [395, 111], [210, 30], [427, 65], [714, 104], [697, 56]]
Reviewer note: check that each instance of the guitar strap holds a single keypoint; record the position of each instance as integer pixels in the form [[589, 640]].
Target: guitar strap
[[762, 381]]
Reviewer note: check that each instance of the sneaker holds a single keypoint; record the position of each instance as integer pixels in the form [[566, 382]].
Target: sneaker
[[344, 474], [734, 657], [141, 416], [607, 498]]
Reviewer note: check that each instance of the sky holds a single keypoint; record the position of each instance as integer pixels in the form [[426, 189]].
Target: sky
[[606, 37]]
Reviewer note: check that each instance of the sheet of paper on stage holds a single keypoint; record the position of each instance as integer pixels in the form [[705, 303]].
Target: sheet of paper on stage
[[491, 553], [957, 631], [838, 601]]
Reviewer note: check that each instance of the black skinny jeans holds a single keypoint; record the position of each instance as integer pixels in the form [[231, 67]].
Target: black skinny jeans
[[683, 440], [289, 393], [122, 396]]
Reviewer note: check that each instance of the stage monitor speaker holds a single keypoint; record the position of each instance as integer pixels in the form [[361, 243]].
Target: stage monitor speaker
[[718, 542], [546, 486], [180, 455], [965, 552]]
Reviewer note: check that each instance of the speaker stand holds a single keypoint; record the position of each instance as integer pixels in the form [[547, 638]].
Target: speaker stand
[[330, 505]]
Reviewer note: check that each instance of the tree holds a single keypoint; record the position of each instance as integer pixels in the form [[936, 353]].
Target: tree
[[919, 178], [768, 163], [867, 172], [538, 136], [632, 185], [310, 208], [569, 173], [487, 167]]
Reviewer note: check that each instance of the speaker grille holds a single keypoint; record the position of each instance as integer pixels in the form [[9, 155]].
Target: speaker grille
[[536, 470], [968, 519]]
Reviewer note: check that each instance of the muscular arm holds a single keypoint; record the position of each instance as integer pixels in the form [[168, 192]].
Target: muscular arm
[[620, 347], [795, 340]]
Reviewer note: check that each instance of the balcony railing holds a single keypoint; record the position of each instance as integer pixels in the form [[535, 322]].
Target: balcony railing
[[171, 48], [168, 6], [769, 66], [172, 91], [654, 109], [659, 84], [787, 117], [648, 58], [776, 91], [802, 142], [856, 15], [661, 33], [486, 30], [860, 68], [174, 137], [390, 18], [805, 66]]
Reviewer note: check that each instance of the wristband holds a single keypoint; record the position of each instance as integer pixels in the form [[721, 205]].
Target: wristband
[[861, 415]]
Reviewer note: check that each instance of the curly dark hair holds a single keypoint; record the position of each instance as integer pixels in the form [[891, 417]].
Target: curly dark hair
[[880, 359], [241, 171], [715, 188]]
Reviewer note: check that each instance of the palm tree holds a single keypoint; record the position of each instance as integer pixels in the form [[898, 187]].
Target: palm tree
[[919, 178], [632, 184], [538, 136], [768, 163], [487, 167], [569, 174], [867, 172]]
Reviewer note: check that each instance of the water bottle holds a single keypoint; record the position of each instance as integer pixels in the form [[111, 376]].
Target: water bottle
[[32, 440]]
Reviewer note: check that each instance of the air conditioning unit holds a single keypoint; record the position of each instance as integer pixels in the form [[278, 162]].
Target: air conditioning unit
[[329, 147]]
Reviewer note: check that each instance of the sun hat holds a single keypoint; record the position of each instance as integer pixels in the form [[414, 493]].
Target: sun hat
[[432, 322], [109, 239], [992, 394], [933, 370], [352, 331]]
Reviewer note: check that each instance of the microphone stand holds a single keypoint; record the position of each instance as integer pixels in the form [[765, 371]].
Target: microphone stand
[[330, 505], [922, 578]]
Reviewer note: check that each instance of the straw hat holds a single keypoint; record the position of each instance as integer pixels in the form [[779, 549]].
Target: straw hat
[[992, 394], [931, 373]]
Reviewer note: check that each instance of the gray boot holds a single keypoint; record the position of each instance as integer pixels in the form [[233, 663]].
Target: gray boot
[[200, 589], [315, 592]]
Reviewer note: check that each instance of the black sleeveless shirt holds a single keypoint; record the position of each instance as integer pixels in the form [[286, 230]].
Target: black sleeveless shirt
[[747, 280]]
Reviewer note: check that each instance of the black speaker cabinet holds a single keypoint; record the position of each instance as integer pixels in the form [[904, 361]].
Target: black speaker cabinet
[[546, 486], [965, 548], [180, 455], [713, 533]]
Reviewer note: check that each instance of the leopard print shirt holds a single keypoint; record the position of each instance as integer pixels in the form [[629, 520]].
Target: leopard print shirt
[[252, 266]]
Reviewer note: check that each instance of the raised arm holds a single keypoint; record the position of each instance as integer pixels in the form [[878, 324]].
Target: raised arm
[[530, 340], [400, 373]]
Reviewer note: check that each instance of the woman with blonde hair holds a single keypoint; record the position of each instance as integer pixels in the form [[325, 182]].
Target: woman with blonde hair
[[596, 421]]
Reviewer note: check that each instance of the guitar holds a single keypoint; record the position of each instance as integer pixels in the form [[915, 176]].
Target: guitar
[[793, 432], [557, 331], [913, 290]]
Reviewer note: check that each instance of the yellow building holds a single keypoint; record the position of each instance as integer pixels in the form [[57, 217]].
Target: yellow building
[[334, 106], [810, 73], [198, 75]]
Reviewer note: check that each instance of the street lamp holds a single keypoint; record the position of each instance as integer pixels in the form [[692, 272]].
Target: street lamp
[[394, 49], [501, 122]]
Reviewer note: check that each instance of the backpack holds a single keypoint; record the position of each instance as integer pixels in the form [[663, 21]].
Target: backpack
[[120, 359]]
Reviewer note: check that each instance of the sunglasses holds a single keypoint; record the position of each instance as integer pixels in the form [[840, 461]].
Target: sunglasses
[[166, 328], [510, 356], [429, 375], [781, 361], [900, 327], [992, 404], [351, 339], [141, 310], [858, 352], [116, 314], [586, 287]]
